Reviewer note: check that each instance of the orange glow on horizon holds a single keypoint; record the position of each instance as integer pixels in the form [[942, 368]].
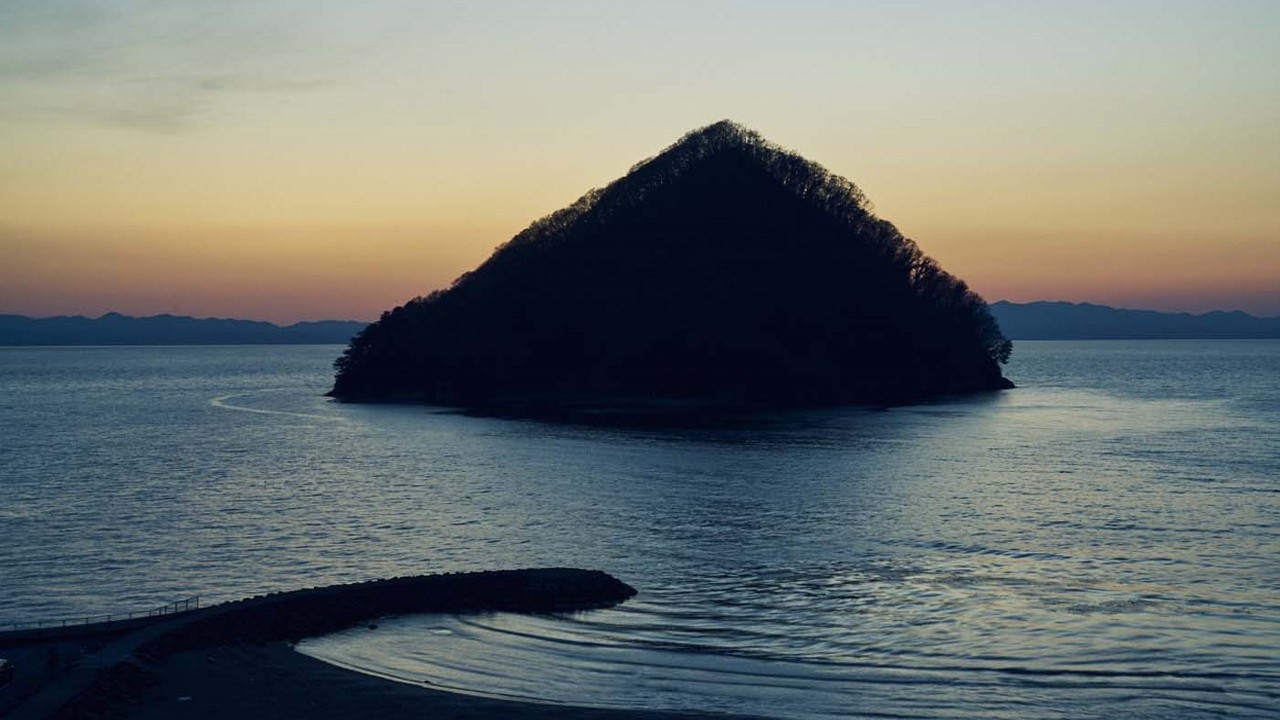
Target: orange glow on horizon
[[158, 159]]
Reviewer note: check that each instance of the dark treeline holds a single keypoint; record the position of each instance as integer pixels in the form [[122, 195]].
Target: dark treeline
[[723, 269]]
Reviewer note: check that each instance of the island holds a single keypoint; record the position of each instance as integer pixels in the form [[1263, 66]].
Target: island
[[725, 272]]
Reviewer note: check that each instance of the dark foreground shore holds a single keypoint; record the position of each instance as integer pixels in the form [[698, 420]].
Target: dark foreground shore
[[235, 660], [273, 682]]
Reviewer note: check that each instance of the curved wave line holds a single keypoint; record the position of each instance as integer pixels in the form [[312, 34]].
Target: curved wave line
[[221, 402]]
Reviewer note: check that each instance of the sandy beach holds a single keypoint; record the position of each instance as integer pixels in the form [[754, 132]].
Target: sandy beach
[[236, 660], [273, 682]]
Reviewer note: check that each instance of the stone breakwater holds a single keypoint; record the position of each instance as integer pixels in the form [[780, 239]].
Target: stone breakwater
[[292, 616], [118, 671]]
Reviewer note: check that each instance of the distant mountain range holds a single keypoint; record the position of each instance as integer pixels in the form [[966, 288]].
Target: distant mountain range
[[1019, 321], [116, 329], [1085, 321]]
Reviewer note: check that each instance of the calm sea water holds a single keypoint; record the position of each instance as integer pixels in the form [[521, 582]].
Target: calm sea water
[[1102, 542]]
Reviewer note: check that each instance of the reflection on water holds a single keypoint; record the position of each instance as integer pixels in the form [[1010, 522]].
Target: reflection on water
[[1102, 542]]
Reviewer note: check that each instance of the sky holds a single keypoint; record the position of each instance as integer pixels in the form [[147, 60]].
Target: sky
[[290, 160]]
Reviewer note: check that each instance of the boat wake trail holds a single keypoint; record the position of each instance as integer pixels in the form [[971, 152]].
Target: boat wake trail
[[221, 402]]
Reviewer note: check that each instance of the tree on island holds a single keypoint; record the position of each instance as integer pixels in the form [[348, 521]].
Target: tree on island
[[725, 269]]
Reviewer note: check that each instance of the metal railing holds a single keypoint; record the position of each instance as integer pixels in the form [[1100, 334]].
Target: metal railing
[[173, 608]]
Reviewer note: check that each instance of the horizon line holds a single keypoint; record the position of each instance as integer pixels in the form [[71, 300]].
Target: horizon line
[[367, 322]]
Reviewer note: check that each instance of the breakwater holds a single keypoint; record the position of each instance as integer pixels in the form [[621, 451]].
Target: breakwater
[[101, 626], [109, 674], [295, 615]]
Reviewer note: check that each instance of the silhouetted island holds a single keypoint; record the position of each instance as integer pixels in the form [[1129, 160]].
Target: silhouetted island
[[725, 271]]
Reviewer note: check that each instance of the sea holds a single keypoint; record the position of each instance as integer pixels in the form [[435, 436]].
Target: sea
[[1101, 542]]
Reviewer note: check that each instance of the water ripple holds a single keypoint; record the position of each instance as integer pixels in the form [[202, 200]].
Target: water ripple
[[1102, 542]]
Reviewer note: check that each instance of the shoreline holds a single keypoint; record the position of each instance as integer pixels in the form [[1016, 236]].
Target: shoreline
[[275, 682], [110, 679], [643, 412]]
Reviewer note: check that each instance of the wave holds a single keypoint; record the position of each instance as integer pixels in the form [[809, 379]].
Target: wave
[[221, 402], [578, 660]]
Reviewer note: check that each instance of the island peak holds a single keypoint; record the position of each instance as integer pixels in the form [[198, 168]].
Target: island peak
[[724, 269]]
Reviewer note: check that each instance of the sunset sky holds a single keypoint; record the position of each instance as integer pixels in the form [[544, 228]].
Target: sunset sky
[[289, 160]]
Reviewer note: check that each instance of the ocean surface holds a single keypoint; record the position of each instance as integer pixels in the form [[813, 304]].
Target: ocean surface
[[1102, 542]]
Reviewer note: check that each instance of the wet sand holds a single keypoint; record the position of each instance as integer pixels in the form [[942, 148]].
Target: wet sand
[[273, 682], [235, 661]]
